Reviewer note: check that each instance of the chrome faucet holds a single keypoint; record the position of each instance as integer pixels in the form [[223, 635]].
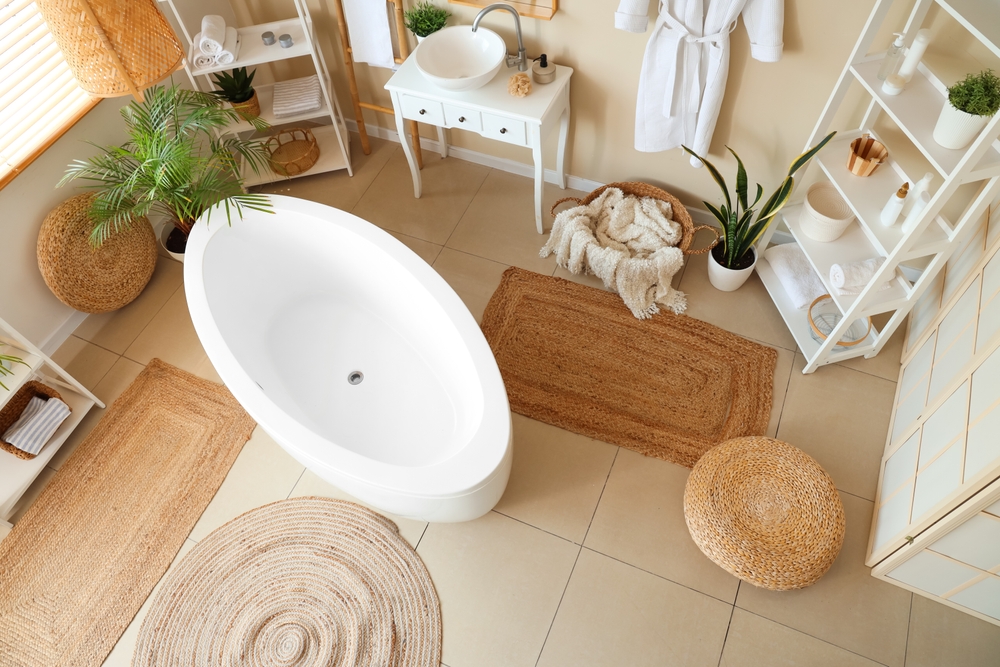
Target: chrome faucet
[[522, 59]]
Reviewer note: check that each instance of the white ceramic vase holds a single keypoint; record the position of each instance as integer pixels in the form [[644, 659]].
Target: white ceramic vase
[[956, 129], [728, 280], [165, 230], [420, 39]]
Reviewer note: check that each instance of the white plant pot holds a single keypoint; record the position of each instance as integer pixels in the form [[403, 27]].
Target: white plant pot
[[956, 129], [420, 39], [165, 230], [728, 280]]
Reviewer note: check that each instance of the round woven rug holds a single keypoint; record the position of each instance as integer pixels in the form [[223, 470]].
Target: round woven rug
[[308, 582], [765, 511]]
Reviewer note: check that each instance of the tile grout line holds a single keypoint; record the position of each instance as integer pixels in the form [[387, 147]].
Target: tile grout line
[[377, 174], [548, 632], [301, 475], [600, 497], [468, 206], [547, 532], [422, 533], [729, 625], [143, 330]]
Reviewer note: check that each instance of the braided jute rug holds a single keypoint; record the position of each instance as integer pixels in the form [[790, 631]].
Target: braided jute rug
[[85, 556], [308, 582], [670, 386]]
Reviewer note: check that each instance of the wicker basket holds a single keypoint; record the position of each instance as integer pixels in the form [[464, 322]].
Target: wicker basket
[[866, 155], [248, 108], [293, 151], [16, 405], [681, 215]]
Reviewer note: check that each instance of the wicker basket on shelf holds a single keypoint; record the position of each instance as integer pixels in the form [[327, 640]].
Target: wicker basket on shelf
[[680, 214], [15, 406], [293, 151]]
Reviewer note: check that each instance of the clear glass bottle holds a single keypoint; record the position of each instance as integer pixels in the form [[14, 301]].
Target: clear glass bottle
[[891, 60]]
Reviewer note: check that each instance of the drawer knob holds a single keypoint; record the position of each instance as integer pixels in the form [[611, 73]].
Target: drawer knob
[[503, 130], [423, 111], [461, 119]]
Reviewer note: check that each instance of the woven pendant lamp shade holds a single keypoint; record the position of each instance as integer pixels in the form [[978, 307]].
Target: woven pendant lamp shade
[[113, 47]]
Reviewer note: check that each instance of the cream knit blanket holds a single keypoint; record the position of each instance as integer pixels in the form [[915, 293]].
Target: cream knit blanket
[[627, 242]]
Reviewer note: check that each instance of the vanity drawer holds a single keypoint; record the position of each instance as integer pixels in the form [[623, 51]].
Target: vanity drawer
[[504, 129], [426, 111], [467, 119]]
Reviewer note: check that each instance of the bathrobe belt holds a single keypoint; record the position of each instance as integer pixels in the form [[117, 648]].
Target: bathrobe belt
[[683, 89]]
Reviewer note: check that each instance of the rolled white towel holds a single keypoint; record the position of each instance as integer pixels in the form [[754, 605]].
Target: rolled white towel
[[855, 274], [38, 421], [231, 49], [795, 273], [213, 34], [200, 58]]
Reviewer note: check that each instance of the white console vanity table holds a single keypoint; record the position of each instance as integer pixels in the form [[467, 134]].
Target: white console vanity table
[[489, 111]]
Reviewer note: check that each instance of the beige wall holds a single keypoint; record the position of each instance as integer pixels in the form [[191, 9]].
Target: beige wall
[[768, 112]]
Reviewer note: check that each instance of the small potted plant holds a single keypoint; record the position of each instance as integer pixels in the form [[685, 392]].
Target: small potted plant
[[174, 163], [237, 89], [970, 105], [425, 18], [732, 260]]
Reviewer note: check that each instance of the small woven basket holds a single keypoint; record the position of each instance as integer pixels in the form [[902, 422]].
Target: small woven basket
[[249, 108], [637, 189], [825, 215], [293, 151], [866, 155], [16, 405]]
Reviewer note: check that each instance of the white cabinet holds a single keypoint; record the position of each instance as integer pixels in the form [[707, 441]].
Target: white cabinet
[[966, 181], [332, 138]]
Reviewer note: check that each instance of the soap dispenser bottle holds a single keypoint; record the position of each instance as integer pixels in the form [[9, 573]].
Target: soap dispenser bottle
[[542, 71], [891, 59], [892, 209]]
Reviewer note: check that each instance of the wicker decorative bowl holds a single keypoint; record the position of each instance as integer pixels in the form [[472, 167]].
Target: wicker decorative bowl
[[637, 189], [15, 406], [824, 316], [293, 151], [866, 155], [88, 279]]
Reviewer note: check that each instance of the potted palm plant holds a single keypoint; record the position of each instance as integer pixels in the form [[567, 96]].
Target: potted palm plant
[[174, 163], [424, 19], [237, 89], [970, 105], [732, 260]]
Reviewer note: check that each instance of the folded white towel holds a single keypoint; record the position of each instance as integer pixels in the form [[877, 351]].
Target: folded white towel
[[297, 96], [851, 277], [37, 423], [801, 283], [199, 57], [213, 34], [230, 49], [368, 27]]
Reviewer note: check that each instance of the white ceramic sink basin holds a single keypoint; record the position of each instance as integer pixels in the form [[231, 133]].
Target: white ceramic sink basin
[[456, 58]]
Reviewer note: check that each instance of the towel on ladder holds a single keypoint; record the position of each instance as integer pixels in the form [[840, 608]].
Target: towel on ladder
[[368, 27], [297, 96], [627, 242], [37, 423]]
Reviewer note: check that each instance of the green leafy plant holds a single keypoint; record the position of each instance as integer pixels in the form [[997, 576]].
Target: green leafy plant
[[977, 94], [5, 361], [739, 229], [174, 163], [425, 18], [236, 87]]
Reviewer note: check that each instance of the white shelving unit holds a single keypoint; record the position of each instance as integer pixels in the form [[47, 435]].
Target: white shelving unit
[[16, 474], [935, 237], [332, 137]]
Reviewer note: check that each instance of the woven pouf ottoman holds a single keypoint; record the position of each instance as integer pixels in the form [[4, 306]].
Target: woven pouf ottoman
[[765, 512], [93, 280]]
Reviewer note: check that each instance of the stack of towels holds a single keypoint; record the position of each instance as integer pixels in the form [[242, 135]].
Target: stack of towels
[[216, 44], [37, 423], [297, 96], [804, 286]]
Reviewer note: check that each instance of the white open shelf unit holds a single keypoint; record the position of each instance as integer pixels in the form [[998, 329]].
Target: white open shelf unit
[[332, 136], [935, 237], [17, 474]]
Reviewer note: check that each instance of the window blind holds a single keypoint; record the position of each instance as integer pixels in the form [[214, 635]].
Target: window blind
[[39, 98]]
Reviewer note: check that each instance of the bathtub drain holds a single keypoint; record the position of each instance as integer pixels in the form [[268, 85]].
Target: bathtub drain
[[355, 377]]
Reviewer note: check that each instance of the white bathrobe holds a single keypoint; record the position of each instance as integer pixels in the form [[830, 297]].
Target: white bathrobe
[[686, 65]]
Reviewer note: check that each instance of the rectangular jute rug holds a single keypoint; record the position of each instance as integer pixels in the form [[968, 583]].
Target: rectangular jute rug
[[80, 563], [670, 386]]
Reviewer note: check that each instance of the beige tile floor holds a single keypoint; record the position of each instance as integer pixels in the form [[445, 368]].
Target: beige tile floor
[[586, 559]]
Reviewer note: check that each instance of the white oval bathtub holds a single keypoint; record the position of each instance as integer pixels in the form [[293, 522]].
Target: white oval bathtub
[[291, 306]]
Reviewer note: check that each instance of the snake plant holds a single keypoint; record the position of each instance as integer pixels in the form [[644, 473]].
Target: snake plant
[[4, 371], [739, 230]]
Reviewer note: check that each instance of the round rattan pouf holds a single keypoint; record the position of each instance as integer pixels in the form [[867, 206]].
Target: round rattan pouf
[[765, 512], [88, 279], [307, 582]]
